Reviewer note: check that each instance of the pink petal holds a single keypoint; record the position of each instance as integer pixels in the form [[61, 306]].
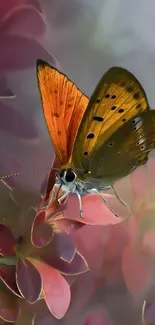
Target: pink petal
[[7, 274], [93, 249], [9, 309], [97, 317], [78, 265], [16, 124], [25, 20], [135, 270], [7, 241], [139, 182], [28, 280], [21, 53], [41, 233], [56, 289], [95, 212]]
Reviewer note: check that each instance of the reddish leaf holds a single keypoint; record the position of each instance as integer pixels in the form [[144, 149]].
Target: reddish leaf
[[16, 124], [65, 247], [41, 233], [7, 241], [77, 266], [98, 317], [45, 320], [28, 280], [9, 309], [8, 276], [8, 165], [56, 289], [51, 179], [135, 270], [21, 53], [95, 211], [25, 20], [61, 224], [5, 92], [6, 6], [26, 318], [149, 313], [9, 5]]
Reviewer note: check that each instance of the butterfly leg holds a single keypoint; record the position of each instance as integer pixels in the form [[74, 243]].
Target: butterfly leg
[[80, 203], [79, 199], [53, 195], [94, 190], [118, 198], [63, 197]]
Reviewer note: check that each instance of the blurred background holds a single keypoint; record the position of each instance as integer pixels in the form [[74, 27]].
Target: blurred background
[[83, 38]]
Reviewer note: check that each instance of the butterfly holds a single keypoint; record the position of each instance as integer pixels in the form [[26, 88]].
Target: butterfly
[[100, 140]]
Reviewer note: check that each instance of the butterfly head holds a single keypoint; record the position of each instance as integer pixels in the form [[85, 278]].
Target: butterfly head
[[67, 176]]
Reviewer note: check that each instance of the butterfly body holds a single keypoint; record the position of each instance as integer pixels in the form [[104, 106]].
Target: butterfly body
[[100, 140]]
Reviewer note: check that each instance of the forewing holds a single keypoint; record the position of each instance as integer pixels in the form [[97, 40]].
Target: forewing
[[118, 97], [63, 106]]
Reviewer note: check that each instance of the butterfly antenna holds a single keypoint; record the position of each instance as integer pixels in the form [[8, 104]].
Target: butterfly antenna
[[25, 172]]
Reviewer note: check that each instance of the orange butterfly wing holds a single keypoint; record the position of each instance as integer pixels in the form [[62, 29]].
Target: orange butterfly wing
[[63, 105]]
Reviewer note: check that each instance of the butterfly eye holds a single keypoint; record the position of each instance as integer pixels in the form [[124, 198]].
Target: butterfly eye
[[85, 153], [118, 153], [101, 160], [111, 144], [70, 176]]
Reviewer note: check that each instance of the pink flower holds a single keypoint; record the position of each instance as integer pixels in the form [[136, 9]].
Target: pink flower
[[25, 271], [21, 31], [140, 250]]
